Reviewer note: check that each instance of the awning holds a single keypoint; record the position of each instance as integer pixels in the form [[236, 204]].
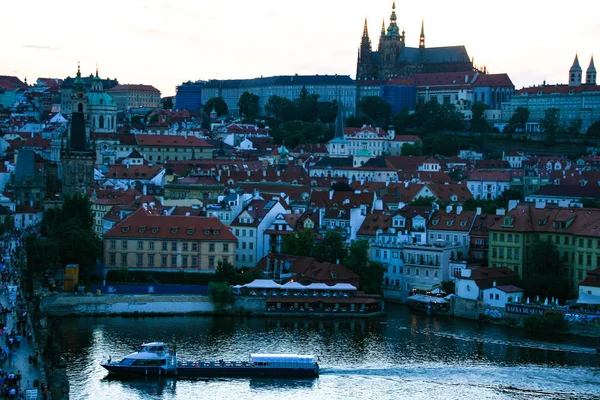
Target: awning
[[262, 284], [421, 298], [293, 285], [425, 287], [590, 299], [343, 286]]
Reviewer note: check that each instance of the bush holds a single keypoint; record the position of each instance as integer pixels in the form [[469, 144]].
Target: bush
[[553, 322], [220, 294]]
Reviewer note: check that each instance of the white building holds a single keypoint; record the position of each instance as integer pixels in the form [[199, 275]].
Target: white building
[[488, 185], [452, 227], [472, 283]]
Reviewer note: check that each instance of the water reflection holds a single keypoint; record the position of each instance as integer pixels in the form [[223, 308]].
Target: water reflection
[[371, 355]]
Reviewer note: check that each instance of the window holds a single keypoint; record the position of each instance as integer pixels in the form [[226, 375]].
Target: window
[[517, 239], [435, 274], [194, 261], [173, 246], [251, 245], [251, 232], [589, 243], [113, 259], [494, 236], [417, 272], [185, 246], [225, 247], [124, 244], [163, 261], [243, 232], [491, 296], [407, 271], [237, 232], [518, 254], [377, 253], [211, 262], [557, 240], [140, 245], [184, 261], [173, 261], [589, 260], [151, 246], [151, 260], [164, 246], [113, 244], [580, 242], [140, 259], [251, 259], [194, 246], [243, 246], [124, 259], [502, 237], [497, 297]]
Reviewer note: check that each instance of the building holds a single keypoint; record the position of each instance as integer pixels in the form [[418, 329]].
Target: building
[[163, 148], [135, 96], [9, 87], [152, 241], [101, 108], [574, 232], [493, 286], [189, 96], [575, 100], [452, 228], [67, 86], [250, 226], [78, 155], [395, 59], [329, 88], [488, 185]]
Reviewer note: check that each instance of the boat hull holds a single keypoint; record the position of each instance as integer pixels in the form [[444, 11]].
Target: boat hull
[[207, 372]]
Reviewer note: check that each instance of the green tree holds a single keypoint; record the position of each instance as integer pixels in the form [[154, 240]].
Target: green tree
[[221, 294], [307, 107], [376, 109], [225, 272], [411, 149], [299, 243], [545, 274], [424, 201], [574, 127], [248, 105], [400, 121], [281, 108], [370, 272], [331, 248], [167, 103], [594, 130], [218, 104], [478, 122], [358, 121], [551, 121], [518, 120]]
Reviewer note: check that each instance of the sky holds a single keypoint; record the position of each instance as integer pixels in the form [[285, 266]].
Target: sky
[[166, 42]]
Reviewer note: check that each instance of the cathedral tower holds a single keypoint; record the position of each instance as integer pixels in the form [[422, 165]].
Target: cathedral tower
[[390, 46], [590, 75], [365, 67], [422, 37], [575, 73], [78, 156]]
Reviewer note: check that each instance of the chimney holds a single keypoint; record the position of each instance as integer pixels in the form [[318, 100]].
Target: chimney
[[467, 78], [478, 212], [459, 210], [494, 283], [144, 190], [448, 209], [465, 273], [500, 211], [331, 192]]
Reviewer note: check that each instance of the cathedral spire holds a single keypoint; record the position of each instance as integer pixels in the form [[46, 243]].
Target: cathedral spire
[[383, 28], [575, 73], [366, 29], [591, 73], [422, 38], [96, 70], [339, 122], [393, 29]]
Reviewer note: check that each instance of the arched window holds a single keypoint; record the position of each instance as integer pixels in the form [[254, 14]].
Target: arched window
[[101, 122], [80, 107]]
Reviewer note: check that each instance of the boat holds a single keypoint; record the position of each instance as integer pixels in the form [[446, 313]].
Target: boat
[[157, 358]]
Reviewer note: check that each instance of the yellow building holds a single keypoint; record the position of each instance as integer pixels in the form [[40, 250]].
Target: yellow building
[[574, 231], [147, 239], [161, 148], [135, 96]]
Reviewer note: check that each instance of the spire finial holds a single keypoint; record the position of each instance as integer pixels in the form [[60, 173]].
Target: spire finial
[[96, 70], [366, 29], [394, 5], [422, 27], [78, 69]]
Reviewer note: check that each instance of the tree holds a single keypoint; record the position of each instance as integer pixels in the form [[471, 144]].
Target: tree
[[220, 294], [551, 121], [400, 121], [281, 108], [167, 103], [478, 122], [435, 117], [376, 109], [424, 201], [545, 274], [300, 243], [358, 121], [574, 127], [594, 130], [411, 149], [518, 120], [248, 105], [331, 248], [218, 104], [225, 272], [370, 272]]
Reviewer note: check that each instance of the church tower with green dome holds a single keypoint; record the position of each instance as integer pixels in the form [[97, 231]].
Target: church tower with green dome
[[102, 108], [77, 156]]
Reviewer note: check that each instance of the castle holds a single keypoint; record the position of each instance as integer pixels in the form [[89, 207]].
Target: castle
[[394, 59]]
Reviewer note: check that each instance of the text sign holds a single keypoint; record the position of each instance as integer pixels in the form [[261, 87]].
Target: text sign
[[524, 310]]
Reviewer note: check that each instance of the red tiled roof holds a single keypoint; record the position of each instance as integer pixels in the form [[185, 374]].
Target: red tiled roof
[[141, 172], [559, 89], [151, 225], [592, 278], [509, 288], [444, 79], [407, 138], [170, 141], [11, 83], [354, 131], [493, 80]]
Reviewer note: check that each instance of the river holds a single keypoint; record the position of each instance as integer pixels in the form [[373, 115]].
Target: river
[[396, 356]]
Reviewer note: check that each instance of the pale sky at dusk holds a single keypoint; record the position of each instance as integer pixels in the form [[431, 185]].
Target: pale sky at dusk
[[164, 43]]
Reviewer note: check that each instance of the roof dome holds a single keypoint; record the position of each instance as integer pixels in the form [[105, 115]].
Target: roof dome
[[100, 99]]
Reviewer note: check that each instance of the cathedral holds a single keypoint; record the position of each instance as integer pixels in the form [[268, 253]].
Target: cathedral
[[78, 155], [394, 59]]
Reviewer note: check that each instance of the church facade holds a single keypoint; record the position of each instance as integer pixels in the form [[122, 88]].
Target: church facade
[[394, 59]]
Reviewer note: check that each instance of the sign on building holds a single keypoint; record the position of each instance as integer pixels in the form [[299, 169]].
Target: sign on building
[[524, 310]]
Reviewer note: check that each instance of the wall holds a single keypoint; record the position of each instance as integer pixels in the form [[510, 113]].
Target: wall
[[465, 308]]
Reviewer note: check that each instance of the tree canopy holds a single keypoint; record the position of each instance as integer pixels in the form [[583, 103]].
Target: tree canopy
[[376, 109], [248, 105], [545, 272], [218, 104], [518, 120]]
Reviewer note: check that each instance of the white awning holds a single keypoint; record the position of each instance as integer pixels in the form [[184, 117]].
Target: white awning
[[319, 286], [421, 298], [343, 286], [237, 286], [262, 284], [293, 285]]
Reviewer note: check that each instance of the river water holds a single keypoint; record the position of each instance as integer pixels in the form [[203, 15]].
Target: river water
[[396, 356]]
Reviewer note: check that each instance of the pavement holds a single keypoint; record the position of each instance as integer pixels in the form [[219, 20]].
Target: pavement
[[20, 361]]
